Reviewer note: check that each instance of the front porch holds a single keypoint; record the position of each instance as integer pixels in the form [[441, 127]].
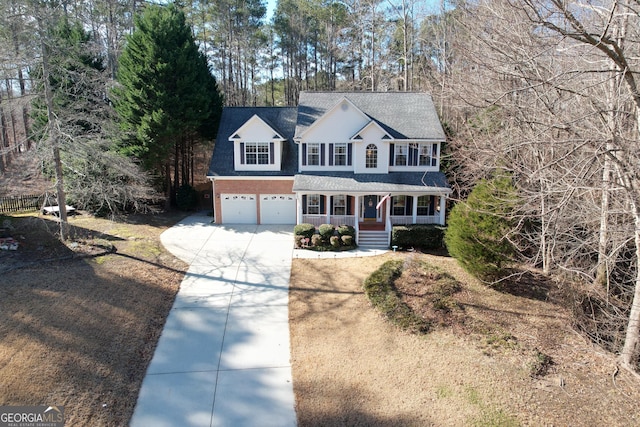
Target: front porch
[[371, 214]]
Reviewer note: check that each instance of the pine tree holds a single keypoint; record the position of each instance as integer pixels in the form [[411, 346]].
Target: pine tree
[[167, 94], [478, 229]]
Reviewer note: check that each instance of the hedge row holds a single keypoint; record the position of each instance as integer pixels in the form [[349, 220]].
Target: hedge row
[[423, 236]]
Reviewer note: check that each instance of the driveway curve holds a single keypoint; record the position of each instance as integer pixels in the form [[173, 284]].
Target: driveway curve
[[223, 358]]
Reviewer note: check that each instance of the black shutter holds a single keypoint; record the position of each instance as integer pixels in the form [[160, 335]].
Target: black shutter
[[322, 205], [330, 154], [304, 155], [322, 155], [272, 153], [304, 204], [349, 154], [242, 153], [391, 153], [414, 154], [434, 154], [408, 210], [349, 208]]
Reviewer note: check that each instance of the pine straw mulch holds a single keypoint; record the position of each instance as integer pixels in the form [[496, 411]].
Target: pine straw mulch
[[505, 356], [79, 322]]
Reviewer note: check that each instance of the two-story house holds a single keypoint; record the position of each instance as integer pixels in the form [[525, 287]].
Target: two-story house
[[366, 159]]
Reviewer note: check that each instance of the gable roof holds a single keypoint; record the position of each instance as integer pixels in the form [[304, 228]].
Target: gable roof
[[253, 119], [403, 115], [280, 119]]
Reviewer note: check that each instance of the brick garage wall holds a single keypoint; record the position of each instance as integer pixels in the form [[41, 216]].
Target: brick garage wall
[[249, 186]]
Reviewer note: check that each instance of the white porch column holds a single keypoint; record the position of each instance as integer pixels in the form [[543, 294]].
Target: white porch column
[[387, 209], [356, 212], [443, 205], [299, 208], [327, 207], [414, 210]]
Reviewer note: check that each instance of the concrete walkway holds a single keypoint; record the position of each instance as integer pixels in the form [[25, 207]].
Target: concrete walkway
[[223, 357]]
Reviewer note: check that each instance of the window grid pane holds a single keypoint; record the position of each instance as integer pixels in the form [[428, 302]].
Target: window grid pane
[[425, 155], [339, 205], [371, 157], [340, 154], [401, 155], [313, 154], [423, 205], [313, 204]]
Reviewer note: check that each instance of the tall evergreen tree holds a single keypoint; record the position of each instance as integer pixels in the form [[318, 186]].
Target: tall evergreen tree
[[167, 95], [478, 231]]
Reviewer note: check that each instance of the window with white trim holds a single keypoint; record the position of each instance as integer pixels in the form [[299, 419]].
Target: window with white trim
[[425, 155], [399, 205], [313, 154], [401, 151], [256, 153], [340, 154], [340, 205], [424, 203], [371, 158], [313, 204]]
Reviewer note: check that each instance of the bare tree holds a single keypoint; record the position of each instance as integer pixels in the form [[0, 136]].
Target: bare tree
[[549, 90]]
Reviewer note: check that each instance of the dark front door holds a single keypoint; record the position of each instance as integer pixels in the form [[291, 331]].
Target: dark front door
[[370, 211]]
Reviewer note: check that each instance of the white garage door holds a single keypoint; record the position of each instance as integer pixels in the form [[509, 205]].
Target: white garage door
[[277, 209], [239, 208]]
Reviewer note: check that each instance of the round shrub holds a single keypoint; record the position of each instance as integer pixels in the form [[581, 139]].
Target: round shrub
[[316, 240], [326, 231], [347, 240], [306, 230], [346, 230], [297, 241], [335, 241]]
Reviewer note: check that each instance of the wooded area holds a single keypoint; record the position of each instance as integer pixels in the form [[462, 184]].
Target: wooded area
[[544, 90]]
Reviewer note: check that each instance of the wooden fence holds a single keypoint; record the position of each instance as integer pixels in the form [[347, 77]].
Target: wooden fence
[[20, 203]]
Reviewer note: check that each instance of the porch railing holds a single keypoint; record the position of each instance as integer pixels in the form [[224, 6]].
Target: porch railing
[[336, 220], [407, 220]]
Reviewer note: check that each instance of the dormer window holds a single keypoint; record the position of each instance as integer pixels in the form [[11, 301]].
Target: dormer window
[[371, 161], [257, 153]]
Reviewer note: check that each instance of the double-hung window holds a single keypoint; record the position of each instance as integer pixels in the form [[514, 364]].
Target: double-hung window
[[399, 205], [256, 153], [313, 204], [340, 154], [313, 154], [340, 205], [401, 154], [423, 205], [425, 155]]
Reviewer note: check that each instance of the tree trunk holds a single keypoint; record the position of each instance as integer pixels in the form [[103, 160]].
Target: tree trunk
[[629, 353], [53, 131]]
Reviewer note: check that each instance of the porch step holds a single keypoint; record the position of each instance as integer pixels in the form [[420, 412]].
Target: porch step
[[373, 239]]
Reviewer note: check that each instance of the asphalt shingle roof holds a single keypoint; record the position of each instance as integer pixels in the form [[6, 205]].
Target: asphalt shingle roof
[[349, 182], [404, 115], [413, 116], [281, 119]]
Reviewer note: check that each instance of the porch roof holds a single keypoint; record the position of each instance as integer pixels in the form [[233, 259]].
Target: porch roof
[[394, 182]]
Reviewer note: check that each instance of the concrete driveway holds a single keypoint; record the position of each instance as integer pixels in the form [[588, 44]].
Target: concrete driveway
[[224, 357]]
